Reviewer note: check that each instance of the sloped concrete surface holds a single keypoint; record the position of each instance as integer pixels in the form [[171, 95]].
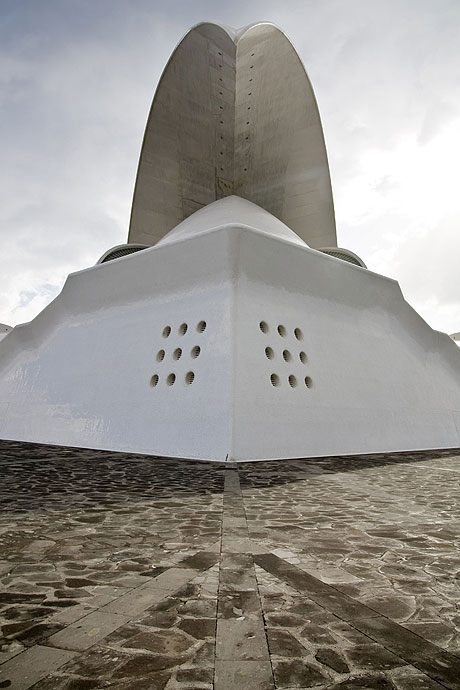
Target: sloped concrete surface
[[126, 571]]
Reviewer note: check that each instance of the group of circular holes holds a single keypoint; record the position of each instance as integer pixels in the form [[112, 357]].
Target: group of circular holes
[[292, 380], [189, 378], [287, 356], [282, 331], [183, 328], [171, 379], [177, 354]]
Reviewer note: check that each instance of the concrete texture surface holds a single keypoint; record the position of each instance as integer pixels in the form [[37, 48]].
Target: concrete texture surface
[[125, 571], [234, 113]]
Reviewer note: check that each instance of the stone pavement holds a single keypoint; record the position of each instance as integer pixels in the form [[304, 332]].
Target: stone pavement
[[126, 571]]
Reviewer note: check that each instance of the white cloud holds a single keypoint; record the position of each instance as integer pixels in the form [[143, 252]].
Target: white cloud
[[76, 82]]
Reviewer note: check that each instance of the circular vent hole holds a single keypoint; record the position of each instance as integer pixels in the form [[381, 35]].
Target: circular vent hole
[[189, 377], [195, 352], [201, 327], [154, 380], [160, 355], [292, 381], [269, 353], [282, 331], [263, 325], [303, 357], [166, 331], [275, 380], [183, 329], [298, 333], [287, 356], [308, 382], [177, 354], [171, 379]]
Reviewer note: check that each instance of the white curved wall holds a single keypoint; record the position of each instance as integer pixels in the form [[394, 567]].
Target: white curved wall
[[80, 373]]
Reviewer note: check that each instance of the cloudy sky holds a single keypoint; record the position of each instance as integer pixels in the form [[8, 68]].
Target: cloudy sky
[[76, 81]]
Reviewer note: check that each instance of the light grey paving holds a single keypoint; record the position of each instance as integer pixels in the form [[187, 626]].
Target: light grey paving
[[87, 631], [28, 668]]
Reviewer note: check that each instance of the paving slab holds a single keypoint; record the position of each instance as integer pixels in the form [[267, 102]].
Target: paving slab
[[129, 571], [86, 631], [243, 675], [28, 668]]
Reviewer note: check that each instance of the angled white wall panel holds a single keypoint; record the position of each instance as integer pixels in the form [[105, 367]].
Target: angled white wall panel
[[380, 378], [80, 373]]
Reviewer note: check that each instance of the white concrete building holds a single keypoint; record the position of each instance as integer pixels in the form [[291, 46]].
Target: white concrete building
[[231, 326]]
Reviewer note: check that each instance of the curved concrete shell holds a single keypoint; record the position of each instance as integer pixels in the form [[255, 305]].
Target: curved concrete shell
[[234, 114]]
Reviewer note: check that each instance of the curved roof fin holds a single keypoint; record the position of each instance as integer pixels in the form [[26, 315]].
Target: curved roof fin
[[234, 114]]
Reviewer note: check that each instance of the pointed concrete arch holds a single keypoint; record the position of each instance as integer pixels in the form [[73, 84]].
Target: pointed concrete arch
[[234, 114]]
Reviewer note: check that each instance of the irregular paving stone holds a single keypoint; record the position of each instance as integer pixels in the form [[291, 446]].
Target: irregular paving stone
[[199, 608], [71, 593], [205, 654], [200, 561], [198, 627], [296, 673], [145, 665], [60, 603], [160, 619], [374, 534], [26, 613], [395, 607], [20, 598], [38, 633], [195, 675], [66, 683], [98, 662], [164, 642], [317, 635], [167, 604], [282, 643], [13, 629], [121, 634], [373, 657], [73, 582], [329, 657], [363, 683], [285, 620], [416, 682]]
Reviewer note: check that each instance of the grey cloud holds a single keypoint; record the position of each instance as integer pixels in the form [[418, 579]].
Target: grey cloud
[[76, 83]]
